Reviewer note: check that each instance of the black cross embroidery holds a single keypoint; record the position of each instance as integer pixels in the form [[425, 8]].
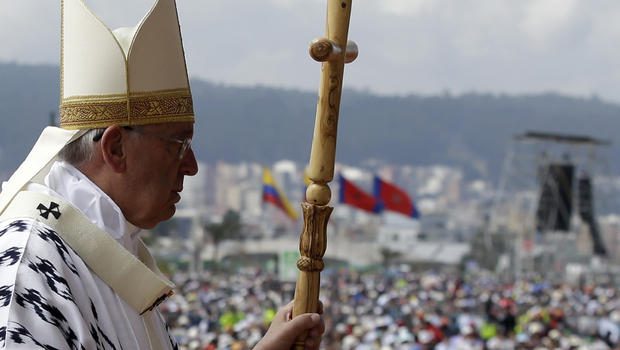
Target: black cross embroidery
[[45, 211]]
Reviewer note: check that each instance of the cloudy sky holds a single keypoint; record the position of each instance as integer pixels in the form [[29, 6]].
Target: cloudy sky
[[406, 46]]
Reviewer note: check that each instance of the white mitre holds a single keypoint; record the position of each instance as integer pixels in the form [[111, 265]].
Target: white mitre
[[130, 76]]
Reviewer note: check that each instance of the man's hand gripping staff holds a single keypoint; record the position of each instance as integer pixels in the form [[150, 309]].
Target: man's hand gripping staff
[[334, 51]]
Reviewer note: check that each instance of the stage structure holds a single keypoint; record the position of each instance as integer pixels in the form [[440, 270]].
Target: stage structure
[[546, 204]]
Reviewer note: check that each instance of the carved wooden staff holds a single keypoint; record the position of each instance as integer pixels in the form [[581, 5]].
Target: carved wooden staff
[[334, 51]]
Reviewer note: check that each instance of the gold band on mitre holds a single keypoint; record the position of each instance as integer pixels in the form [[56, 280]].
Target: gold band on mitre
[[127, 76], [87, 112]]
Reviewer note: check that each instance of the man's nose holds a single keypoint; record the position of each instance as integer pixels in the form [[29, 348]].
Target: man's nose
[[189, 166]]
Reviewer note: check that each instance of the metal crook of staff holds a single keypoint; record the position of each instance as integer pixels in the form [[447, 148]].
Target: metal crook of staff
[[333, 51]]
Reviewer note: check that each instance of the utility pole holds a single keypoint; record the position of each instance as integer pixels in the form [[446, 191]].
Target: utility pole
[[52, 121]]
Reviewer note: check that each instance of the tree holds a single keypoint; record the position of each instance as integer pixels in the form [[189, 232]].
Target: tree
[[388, 256], [229, 228]]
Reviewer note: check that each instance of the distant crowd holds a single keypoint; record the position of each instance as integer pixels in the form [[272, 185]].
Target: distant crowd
[[400, 310]]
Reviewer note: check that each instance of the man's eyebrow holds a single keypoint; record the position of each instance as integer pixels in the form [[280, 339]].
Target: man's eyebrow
[[185, 133], [180, 133]]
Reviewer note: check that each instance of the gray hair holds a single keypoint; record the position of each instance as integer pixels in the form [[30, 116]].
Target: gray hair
[[81, 150]]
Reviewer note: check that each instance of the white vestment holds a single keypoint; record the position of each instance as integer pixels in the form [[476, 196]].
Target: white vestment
[[50, 298]]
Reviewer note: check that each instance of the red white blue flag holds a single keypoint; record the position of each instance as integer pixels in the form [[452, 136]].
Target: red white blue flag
[[394, 198], [354, 196]]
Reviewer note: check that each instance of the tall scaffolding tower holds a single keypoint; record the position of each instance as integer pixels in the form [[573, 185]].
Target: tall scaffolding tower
[[545, 203]]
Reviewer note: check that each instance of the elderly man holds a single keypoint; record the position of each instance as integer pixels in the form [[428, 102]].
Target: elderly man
[[73, 272]]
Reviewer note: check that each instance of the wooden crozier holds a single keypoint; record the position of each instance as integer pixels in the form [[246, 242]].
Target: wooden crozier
[[334, 51]]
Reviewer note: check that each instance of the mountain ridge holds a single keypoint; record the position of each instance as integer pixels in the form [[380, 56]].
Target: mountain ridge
[[265, 124]]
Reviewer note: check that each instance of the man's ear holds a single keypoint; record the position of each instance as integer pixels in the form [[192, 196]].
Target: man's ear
[[113, 148]]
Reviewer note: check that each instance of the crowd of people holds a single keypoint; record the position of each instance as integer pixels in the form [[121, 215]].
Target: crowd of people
[[401, 310]]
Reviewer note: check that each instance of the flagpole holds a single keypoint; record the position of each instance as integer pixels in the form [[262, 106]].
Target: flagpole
[[333, 51]]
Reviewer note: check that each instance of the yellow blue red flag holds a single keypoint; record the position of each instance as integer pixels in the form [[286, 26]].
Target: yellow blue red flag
[[273, 195]]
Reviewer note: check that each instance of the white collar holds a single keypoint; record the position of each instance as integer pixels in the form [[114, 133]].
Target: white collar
[[67, 182]]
